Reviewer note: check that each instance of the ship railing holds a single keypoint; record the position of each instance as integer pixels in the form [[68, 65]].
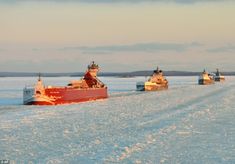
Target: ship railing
[[28, 86]]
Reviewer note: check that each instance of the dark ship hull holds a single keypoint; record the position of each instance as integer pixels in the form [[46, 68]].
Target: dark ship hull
[[219, 79], [205, 82]]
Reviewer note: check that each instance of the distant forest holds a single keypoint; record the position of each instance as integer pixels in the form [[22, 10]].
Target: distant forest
[[118, 74]]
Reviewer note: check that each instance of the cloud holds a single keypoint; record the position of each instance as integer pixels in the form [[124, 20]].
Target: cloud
[[227, 48], [142, 1], [115, 1], [138, 47]]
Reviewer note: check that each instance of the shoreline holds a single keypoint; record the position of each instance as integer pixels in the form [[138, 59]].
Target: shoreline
[[106, 74]]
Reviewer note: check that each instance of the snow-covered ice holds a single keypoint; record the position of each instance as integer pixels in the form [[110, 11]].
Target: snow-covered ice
[[187, 123]]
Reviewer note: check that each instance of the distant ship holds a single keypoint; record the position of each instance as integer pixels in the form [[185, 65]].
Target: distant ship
[[86, 89], [156, 82], [218, 76], [205, 78]]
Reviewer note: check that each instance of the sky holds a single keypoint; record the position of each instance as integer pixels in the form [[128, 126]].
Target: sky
[[121, 36]]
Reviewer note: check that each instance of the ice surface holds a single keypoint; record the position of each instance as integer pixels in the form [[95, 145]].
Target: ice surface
[[187, 123]]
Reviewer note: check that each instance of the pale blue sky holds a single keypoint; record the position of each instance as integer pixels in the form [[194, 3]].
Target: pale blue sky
[[126, 35]]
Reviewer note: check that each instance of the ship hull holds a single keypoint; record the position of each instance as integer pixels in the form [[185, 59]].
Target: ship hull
[[35, 102], [66, 95], [219, 79], [205, 82], [38, 100], [155, 88], [150, 86]]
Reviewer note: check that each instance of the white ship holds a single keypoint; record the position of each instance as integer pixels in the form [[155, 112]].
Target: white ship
[[218, 76]]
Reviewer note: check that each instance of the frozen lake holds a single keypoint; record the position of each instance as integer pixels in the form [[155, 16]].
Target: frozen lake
[[187, 123]]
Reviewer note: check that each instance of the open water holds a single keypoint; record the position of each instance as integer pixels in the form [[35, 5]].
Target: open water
[[187, 123]]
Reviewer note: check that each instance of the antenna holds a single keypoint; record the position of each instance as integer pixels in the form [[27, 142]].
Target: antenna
[[39, 76]]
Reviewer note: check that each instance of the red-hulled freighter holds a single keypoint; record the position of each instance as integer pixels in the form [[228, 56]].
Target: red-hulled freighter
[[86, 89]]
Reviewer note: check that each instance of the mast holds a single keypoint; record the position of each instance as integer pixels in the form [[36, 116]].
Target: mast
[[39, 76]]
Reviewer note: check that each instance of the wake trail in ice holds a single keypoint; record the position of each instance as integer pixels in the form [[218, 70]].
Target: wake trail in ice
[[125, 94], [182, 108], [163, 123], [134, 92]]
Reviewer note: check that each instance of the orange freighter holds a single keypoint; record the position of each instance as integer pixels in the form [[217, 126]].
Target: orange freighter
[[205, 78], [155, 83], [86, 89]]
